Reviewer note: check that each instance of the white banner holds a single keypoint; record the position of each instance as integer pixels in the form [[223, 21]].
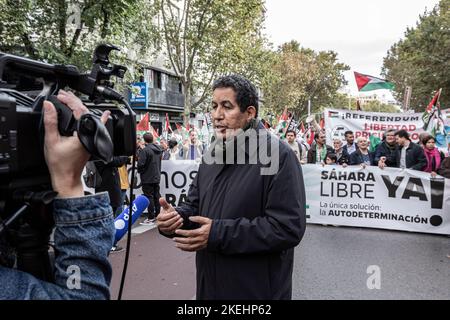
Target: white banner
[[370, 123], [176, 178], [388, 199]]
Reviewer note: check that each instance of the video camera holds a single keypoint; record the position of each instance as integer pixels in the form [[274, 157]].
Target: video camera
[[25, 184]]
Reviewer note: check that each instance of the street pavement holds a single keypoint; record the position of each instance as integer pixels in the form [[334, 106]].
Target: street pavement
[[330, 263]]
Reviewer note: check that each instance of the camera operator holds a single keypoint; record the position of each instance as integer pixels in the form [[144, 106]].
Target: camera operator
[[84, 224]]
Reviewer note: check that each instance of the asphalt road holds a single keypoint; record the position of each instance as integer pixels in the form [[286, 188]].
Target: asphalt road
[[330, 263]]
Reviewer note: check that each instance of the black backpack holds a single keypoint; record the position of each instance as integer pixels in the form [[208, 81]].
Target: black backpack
[[92, 178]]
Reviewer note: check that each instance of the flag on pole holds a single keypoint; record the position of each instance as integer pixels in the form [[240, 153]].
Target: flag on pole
[[154, 133], [282, 122], [369, 83], [302, 128], [167, 125], [143, 125], [430, 111], [311, 136]]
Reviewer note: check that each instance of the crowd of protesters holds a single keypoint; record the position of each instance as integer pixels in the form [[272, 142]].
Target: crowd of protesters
[[396, 150]]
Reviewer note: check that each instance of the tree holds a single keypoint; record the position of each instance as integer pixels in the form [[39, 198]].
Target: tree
[[301, 74], [204, 38], [422, 59], [60, 31], [377, 106], [342, 101]]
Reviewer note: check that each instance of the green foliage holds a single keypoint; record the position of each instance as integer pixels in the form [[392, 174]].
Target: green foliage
[[422, 59], [299, 74], [377, 106], [206, 38], [342, 101], [61, 31]]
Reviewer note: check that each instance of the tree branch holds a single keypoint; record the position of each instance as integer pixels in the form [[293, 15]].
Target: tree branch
[[206, 88], [104, 31], [62, 25], [169, 51], [200, 31]]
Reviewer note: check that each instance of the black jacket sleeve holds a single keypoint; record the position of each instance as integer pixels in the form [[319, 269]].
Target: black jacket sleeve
[[142, 160], [421, 159], [281, 227]]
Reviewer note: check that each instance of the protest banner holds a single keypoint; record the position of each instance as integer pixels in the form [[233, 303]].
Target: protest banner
[[392, 198]]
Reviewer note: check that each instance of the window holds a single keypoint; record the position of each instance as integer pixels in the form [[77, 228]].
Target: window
[[158, 79]]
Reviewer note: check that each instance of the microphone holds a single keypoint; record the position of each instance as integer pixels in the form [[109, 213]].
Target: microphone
[[121, 222]]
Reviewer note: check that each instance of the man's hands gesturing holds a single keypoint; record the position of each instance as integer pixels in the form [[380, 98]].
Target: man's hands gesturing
[[168, 220]]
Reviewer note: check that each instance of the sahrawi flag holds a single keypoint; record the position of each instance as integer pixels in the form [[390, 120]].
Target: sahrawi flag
[[369, 83], [433, 121]]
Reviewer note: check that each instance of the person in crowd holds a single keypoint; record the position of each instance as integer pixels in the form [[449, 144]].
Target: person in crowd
[[192, 149], [110, 181], [433, 156], [386, 151], [124, 186], [163, 144], [172, 152], [298, 148], [149, 167], [422, 136], [84, 225], [409, 155], [242, 221], [362, 155], [319, 150], [342, 157], [331, 159], [350, 145], [140, 144]]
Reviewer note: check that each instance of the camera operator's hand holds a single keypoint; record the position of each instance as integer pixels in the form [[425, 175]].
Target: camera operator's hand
[[65, 156]]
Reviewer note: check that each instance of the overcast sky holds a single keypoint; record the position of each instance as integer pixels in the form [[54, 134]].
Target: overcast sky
[[360, 31]]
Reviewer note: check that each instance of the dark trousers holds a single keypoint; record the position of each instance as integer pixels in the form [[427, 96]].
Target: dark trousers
[[151, 191]]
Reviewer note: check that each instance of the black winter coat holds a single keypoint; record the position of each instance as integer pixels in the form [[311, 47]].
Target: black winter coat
[[111, 179], [356, 158], [415, 157], [257, 222], [149, 163], [384, 151]]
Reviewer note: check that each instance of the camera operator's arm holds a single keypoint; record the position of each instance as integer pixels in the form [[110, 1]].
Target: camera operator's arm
[[84, 225]]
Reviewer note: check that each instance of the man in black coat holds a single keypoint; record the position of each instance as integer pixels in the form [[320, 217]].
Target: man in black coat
[[386, 151], [409, 154], [111, 181], [149, 167], [243, 220]]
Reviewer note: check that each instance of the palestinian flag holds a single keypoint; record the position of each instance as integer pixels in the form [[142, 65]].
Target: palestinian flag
[[369, 83], [333, 114]]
